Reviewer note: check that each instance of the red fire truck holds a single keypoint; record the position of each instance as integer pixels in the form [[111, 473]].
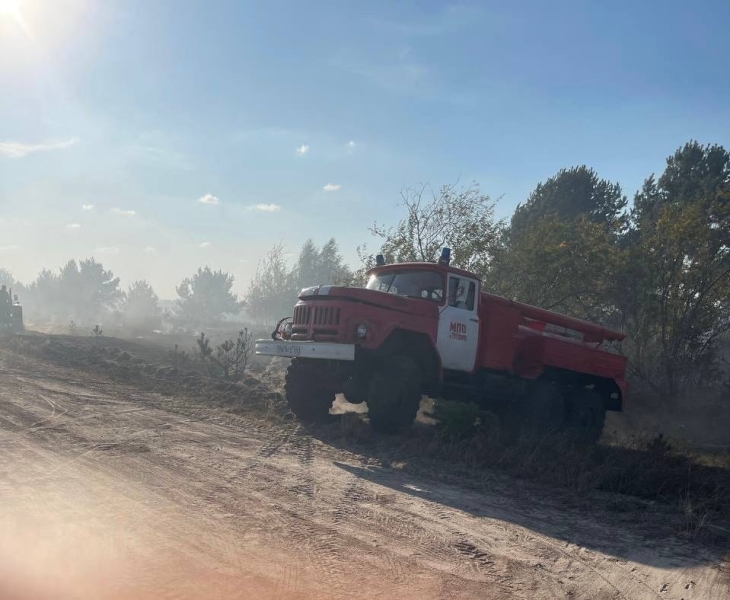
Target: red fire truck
[[429, 328]]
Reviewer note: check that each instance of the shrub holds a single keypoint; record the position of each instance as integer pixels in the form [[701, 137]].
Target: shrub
[[229, 359]]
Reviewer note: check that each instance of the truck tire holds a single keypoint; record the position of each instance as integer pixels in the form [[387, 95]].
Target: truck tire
[[587, 415], [309, 390], [545, 410], [394, 394]]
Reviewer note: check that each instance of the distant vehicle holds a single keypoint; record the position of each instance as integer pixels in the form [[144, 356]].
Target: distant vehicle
[[11, 313], [428, 328]]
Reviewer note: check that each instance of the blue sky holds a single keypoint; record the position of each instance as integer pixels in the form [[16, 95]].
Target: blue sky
[[305, 119]]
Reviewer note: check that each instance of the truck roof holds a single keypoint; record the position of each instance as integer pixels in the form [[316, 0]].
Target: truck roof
[[423, 266]]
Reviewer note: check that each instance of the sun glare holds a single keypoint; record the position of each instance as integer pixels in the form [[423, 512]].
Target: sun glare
[[11, 8]]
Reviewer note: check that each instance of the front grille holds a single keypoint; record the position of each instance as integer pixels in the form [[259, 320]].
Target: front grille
[[317, 315], [326, 315], [301, 315], [315, 319]]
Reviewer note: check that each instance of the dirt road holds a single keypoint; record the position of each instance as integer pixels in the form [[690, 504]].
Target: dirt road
[[112, 492]]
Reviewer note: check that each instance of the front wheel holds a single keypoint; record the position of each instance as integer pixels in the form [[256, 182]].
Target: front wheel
[[394, 394], [309, 389]]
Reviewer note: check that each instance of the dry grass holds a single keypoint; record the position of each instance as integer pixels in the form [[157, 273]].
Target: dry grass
[[156, 370], [644, 467]]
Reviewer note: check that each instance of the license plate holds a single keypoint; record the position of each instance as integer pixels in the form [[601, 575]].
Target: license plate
[[289, 350]]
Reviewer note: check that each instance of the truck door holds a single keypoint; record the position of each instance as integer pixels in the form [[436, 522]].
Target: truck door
[[458, 328]]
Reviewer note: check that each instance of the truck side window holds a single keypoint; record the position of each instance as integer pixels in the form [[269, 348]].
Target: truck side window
[[461, 293], [470, 296], [453, 288]]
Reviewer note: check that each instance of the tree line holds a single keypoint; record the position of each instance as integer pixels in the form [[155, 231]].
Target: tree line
[[83, 293]]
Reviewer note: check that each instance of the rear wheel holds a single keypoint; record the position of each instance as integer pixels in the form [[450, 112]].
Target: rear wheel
[[587, 414], [542, 411], [310, 389], [394, 394], [547, 407]]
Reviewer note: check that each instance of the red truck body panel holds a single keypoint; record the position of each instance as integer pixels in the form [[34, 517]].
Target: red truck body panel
[[526, 340]]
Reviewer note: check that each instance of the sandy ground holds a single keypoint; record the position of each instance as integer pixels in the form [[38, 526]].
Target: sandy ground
[[112, 492]]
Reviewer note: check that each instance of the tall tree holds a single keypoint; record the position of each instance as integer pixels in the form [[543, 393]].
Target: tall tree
[[85, 291], [67, 284], [207, 296], [561, 250], [460, 218], [270, 294], [573, 193], [274, 288], [99, 289], [565, 266], [331, 266], [141, 307], [677, 300], [693, 173], [315, 266], [41, 300], [6, 278], [306, 270]]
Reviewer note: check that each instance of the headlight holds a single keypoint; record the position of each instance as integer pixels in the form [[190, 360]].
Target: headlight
[[287, 330], [362, 330]]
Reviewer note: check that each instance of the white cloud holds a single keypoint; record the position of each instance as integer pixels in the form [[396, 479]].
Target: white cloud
[[126, 213], [332, 187], [111, 250], [21, 150], [351, 144], [73, 226], [266, 207], [150, 249], [303, 149], [10, 248], [206, 244], [87, 207], [209, 199]]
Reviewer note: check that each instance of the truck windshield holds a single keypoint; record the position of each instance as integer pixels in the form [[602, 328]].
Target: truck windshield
[[414, 284]]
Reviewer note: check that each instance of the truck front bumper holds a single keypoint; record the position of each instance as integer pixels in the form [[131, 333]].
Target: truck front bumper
[[321, 350]]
